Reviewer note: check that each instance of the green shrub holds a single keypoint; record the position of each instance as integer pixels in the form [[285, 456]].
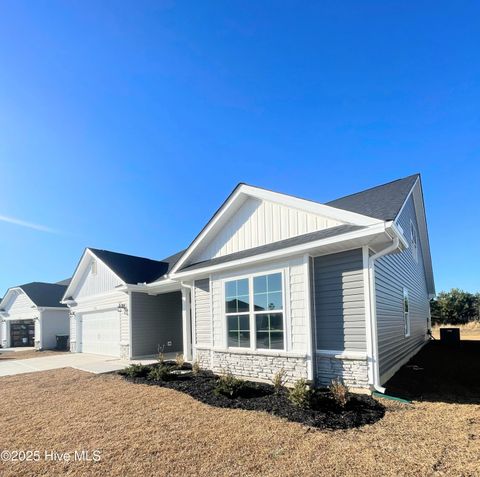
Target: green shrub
[[179, 360], [230, 386], [159, 373], [135, 371], [300, 394], [279, 379], [339, 392]]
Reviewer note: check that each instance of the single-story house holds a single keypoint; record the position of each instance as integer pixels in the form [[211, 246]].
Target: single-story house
[[32, 315], [322, 291], [109, 317], [274, 283]]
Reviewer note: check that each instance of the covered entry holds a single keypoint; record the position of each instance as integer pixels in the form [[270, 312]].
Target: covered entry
[[100, 332]]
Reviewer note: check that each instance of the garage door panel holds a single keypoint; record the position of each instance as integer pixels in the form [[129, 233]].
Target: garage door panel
[[101, 333]]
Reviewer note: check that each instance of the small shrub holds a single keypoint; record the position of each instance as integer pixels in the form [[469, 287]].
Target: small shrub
[[180, 360], [159, 373], [279, 379], [339, 392], [229, 386], [161, 354], [299, 395], [135, 371], [196, 367]]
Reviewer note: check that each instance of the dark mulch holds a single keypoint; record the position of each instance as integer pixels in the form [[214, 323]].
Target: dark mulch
[[440, 373], [323, 412]]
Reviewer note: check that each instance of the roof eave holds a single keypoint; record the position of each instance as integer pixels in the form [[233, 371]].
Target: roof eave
[[359, 236]]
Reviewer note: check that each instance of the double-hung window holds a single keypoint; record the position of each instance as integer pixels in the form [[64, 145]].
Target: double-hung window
[[255, 303], [406, 313], [237, 309]]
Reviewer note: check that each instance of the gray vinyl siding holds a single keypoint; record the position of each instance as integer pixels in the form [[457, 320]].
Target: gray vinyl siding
[[155, 321], [203, 314], [393, 273], [54, 322], [340, 301]]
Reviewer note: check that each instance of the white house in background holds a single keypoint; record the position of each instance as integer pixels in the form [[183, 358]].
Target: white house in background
[[109, 317], [272, 282], [32, 315]]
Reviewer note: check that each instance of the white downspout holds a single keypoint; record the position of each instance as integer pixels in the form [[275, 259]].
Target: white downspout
[[373, 312]]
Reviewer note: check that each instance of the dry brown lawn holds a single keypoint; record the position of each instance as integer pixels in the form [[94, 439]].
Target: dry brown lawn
[[142, 430], [470, 331], [31, 353]]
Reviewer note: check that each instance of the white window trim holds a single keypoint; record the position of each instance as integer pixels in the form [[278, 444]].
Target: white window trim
[[407, 328], [253, 328], [413, 231]]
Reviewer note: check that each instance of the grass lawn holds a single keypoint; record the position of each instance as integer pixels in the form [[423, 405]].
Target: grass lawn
[[30, 353], [470, 331], [149, 430]]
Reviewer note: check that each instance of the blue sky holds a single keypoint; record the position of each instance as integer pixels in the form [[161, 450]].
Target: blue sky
[[124, 125]]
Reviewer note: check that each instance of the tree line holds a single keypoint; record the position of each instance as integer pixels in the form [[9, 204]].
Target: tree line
[[455, 307]]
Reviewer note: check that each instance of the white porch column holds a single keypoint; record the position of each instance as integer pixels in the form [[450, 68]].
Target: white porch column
[[186, 324]]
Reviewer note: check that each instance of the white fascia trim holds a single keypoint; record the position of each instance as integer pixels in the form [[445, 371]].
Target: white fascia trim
[[298, 249], [302, 204], [16, 289], [218, 215], [52, 308], [80, 268], [423, 231], [310, 206], [164, 286]]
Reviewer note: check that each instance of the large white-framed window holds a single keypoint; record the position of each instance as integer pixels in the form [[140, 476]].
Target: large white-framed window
[[414, 240], [255, 312], [406, 313]]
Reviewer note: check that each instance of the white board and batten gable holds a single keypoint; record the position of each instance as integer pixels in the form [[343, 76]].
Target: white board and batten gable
[[92, 278], [18, 304], [252, 217]]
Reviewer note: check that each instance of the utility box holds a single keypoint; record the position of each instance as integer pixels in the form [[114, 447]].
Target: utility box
[[62, 342], [450, 335]]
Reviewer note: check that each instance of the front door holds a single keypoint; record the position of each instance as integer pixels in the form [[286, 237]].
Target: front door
[[22, 333]]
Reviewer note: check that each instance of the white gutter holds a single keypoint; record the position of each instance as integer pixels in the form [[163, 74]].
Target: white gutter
[[363, 233], [373, 309]]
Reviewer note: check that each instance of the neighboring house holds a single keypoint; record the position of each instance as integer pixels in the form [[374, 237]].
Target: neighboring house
[[108, 316], [274, 282], [32, 315]]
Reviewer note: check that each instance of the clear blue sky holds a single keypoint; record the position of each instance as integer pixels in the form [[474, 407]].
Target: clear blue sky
[[125, 124]]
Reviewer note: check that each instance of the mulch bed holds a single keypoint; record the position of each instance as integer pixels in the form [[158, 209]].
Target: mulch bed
[[323, 412]]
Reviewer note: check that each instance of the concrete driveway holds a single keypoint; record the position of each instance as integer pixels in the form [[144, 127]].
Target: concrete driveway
[[85, 362]]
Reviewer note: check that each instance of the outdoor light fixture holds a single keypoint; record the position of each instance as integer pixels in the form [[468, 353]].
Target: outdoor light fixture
[[122, 307], [71, 314]]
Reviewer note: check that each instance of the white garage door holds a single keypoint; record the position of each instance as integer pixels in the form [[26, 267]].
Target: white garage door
[[101, 333]]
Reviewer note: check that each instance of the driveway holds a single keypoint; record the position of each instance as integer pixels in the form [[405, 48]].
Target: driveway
[[84, 362]]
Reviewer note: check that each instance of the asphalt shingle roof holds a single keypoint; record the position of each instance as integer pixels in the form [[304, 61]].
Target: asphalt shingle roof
[[290, 242], [45, 294], [132, 269], [382, 202]]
